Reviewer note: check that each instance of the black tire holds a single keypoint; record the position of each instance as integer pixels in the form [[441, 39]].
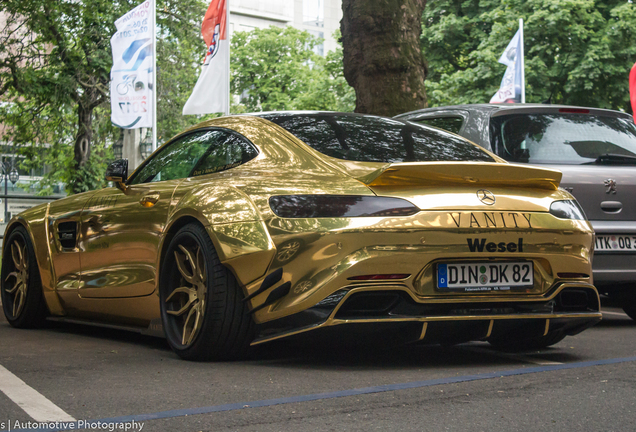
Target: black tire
[[631, 311], [226, 327], [21, 287], [528, 344]]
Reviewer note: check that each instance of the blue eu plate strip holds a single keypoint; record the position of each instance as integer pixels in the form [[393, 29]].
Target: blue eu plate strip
[[442, 276]]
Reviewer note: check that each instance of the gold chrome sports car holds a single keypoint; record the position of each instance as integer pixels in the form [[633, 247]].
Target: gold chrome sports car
[[247, 229]]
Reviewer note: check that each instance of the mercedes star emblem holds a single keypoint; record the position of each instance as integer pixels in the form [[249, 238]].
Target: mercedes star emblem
[[486, 196]]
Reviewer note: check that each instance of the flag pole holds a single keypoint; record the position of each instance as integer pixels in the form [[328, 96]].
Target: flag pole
[[523, 71], [154, 75], [227, 34]]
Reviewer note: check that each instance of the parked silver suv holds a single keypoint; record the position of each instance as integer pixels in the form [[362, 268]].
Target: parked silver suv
[[596, 151]]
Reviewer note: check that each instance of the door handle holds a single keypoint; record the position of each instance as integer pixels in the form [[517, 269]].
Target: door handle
[[611, 206], [149, 199]]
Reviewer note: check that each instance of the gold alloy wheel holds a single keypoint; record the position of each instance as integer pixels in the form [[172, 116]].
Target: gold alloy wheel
[[189, 298], [21, 275], [288, 250]]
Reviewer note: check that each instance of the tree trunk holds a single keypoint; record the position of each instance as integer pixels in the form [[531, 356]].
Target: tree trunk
[[84, 135], [382, 57]]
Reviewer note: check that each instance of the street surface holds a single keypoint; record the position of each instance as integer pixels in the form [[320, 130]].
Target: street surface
[[81, 373]]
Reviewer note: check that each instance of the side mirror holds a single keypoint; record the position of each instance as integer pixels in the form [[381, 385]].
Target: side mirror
[[117, 172]]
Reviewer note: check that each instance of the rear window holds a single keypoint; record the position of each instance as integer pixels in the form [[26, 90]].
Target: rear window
[[376, 139], [451, 124], [561, 138]]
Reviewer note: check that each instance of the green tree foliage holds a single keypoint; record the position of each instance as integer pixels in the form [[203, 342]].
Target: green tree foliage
[[578, 51], [277, 69], [55, 60], [337, 85]]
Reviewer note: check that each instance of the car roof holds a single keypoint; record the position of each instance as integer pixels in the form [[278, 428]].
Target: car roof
[[308, 113], [511, 107]]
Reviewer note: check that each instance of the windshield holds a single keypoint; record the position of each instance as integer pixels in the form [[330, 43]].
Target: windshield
[[562, 138], [376, 139]]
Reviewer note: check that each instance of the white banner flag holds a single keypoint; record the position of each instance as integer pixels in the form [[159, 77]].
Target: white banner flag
[[510, 89], [130, 77], [211, 91]]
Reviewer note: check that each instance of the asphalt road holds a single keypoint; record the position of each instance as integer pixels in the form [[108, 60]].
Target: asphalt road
[[584, 383]]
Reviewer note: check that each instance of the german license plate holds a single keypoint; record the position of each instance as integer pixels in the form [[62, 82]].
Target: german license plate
[[615, 242], [485, 276]]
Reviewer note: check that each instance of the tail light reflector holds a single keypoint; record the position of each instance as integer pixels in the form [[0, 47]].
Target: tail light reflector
[[574, 110], [380, 277], [572, 275]]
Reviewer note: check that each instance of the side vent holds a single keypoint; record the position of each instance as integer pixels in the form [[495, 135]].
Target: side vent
[[67, 234], [276, 294], [271, 280]]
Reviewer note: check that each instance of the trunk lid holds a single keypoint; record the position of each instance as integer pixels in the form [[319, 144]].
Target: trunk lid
[[467, 185], [463, 173]]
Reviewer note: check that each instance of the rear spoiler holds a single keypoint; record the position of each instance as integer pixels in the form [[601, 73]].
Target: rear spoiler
[[463, 173]]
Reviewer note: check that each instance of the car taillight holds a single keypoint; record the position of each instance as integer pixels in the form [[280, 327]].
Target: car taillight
[[321, 206], [567, 209], [574, 110]]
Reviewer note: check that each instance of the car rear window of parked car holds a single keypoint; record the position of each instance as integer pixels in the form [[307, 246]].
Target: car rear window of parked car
[[451, 124], [562, 138], [376, 139]]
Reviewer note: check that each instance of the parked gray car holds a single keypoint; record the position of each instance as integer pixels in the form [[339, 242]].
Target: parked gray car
[[596, 151]]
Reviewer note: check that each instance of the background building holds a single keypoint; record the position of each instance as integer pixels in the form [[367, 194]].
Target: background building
[[319, 17]]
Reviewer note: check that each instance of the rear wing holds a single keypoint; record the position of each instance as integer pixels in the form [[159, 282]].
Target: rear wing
[[463, 173]]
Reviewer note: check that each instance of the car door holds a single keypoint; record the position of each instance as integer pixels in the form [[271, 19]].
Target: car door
[[121, 231]]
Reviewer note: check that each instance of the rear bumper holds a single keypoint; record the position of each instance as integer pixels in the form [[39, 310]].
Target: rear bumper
[[329, 253], [568, 307], [614, 270]]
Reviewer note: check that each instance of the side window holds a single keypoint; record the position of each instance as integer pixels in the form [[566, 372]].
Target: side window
[[198, 153], [177, 159], [451, 124], [230, 151]]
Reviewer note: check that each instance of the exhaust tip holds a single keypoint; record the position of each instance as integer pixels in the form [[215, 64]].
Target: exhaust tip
[[573, 300], [370, 304]]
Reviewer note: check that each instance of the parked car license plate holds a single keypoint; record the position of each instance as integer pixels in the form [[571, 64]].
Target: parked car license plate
[[485, 276], [614, 242]]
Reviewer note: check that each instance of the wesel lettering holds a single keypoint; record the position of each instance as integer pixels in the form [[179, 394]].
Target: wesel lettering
[[476, 245]]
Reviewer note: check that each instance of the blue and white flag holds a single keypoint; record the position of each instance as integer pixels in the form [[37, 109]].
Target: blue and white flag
[[130, 78], [212, 90], [510, 89]]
